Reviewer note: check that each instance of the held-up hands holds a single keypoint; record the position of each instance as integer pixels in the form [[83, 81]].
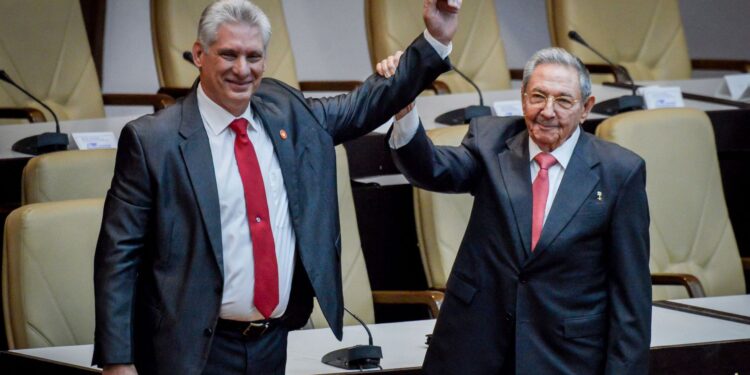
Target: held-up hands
[[441, 18], [387, 68]]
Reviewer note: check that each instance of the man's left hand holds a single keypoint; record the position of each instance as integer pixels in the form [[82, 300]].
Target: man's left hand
[[441, 18]]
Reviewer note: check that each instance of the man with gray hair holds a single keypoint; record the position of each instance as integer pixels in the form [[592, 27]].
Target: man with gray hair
[[221, 223], [552, 274]]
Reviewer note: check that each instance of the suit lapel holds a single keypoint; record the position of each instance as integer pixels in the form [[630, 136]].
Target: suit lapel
[[578, 182], [275, 122], [514, 169], [196, 153]]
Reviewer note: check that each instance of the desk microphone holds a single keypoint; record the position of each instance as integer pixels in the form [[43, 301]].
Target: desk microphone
[[358, 357], [464, 115], [614, 106], [188, 56], [41, 143]]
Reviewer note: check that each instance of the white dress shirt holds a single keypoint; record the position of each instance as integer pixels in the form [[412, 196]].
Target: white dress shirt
[[239, 275]]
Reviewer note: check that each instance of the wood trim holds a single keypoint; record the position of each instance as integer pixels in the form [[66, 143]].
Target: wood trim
[[720, 64], [329, 85], [27, 113], [431, 298], [690, 282], [516, 74], [94, 14], [158, 101], [697, 310], [745, 263], [440, 87]]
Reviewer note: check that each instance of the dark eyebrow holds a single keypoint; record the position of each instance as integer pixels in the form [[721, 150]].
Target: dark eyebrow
[[563, 95]]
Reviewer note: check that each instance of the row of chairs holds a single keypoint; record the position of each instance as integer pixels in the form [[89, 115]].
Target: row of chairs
[[48, 252], [692, 241], [46, 49]]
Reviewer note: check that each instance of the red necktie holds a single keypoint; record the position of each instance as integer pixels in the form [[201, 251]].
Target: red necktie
[[266, 291], [540, 191]]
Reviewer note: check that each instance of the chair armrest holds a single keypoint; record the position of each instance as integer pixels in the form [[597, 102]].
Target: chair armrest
[[158, 101], [328, 85], [718, 64], [430, 298], [440, 87], [28, 113], [690, 282]]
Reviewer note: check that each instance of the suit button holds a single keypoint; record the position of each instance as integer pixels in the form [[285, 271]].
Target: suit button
[[508, 316], [208, 332]]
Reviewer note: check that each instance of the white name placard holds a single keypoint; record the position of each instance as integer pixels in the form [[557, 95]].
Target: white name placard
[[95, 140], [735, 87], [507, 108], [662, 97]]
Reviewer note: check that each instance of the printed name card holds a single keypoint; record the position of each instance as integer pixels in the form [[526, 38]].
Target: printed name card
[[662, 97], [95, 140], [735, 87], [507, 108]]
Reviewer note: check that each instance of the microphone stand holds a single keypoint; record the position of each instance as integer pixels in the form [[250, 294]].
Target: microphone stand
[[464, 115], [614, 106], [41, 143], [355, 357]]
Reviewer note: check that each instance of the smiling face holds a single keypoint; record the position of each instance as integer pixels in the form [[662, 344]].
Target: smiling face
[[550, 124], [232, 66]]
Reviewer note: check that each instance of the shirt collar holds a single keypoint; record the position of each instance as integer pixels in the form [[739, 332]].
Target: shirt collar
[[563, 153], [216, 118]]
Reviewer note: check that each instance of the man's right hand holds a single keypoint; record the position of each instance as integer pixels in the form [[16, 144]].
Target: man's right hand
[[120, 370], [441, 18]]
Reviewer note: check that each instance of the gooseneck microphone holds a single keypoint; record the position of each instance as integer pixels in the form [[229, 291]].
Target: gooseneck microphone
[[614, 106], [464, 115], [358, 357], [41, 143]]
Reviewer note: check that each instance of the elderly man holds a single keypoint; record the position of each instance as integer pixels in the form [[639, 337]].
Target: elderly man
[[221, 223], [552, 275]]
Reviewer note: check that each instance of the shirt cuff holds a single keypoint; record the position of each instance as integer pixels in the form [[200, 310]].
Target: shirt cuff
[[439, 47], [404, 129]]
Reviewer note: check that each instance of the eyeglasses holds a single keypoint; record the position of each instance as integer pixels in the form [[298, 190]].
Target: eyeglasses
[[537, 99]]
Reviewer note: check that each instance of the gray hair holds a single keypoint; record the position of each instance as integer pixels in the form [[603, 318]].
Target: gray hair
[[231, 11], [558, 56]]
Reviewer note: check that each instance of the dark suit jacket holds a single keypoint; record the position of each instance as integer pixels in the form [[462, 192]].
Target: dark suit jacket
[[581, 302], [158, 265]]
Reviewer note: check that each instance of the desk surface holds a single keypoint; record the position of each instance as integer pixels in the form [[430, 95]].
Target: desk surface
[[404, 346]]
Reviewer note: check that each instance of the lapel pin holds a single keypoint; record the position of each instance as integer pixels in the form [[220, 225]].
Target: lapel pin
[[598, 195], [282, 133]]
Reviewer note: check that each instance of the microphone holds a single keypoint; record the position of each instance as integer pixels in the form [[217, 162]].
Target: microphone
[[614, 106], [464, 115], [188, 56], [358, 357], [41, 143]]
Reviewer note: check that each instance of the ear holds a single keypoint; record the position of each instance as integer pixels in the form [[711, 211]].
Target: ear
[[198, 54], [587, 105]]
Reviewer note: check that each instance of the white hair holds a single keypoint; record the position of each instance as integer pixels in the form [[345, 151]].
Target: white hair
[[558, 56], [231, 11]]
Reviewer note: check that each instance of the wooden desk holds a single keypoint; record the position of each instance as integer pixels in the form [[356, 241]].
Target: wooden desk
[[682, 343]]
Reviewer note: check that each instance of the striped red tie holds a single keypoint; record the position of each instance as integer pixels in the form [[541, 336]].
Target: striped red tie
[[266, 291]]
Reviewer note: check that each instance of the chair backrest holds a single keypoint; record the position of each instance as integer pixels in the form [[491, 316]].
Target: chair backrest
[[47, 273], [174, 29], [74, 174], [441, 219], [644, 36], [477, 46], [690, 228], [356, 282], [44, 48]]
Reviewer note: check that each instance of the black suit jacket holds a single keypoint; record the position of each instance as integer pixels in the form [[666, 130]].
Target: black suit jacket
[[581, 302], [158, 265]]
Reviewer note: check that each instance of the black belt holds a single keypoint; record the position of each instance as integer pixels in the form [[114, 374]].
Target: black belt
[[251, 330]]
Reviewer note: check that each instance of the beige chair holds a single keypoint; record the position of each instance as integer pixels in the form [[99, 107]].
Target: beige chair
[[45, 50], [644, 36], [477, 47], [47, 273], [174, 25], [358, 296], [441, 219], [690, 228], [75, 174]]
